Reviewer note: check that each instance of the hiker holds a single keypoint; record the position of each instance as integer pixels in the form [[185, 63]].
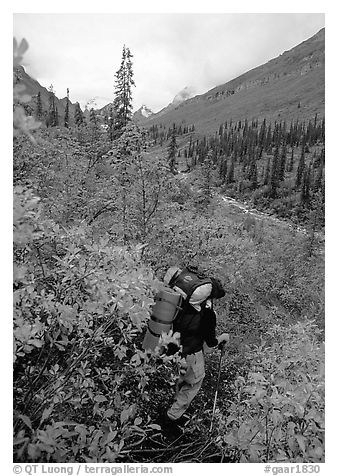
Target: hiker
[[197, 327]]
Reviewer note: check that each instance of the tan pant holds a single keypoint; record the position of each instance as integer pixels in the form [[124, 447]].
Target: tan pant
[[188, 385]]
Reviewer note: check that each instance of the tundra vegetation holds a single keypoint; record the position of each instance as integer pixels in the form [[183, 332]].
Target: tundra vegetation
[[98, 217]]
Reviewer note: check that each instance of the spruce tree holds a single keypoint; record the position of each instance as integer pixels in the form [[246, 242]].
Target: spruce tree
[[123, 97], [51, 118], [231, 172], [305, 194], [223, 169], [267, 173], [319, 178], [38, 111], [78, 115], [94, 127], [301, 167], [274, 181], [282, 163], [254, 177], [190, 147], [291, 162], [66, 121], [252, 167], [268, 141], [262, 134], [172, 151], [56, 117]]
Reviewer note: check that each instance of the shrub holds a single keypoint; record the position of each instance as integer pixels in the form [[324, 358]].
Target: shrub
[[278, 414], [79, 310]]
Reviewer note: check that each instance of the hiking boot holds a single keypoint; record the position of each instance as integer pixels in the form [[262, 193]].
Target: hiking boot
[[170, 428]]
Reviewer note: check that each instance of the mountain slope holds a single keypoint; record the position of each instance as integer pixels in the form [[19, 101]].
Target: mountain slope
[[287, 87], [33, 87]]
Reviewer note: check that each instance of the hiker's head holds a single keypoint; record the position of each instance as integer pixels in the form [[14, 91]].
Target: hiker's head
[[172, 272]]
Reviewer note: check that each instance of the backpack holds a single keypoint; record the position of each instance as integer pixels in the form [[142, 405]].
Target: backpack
[[188, 281], [191, 278]]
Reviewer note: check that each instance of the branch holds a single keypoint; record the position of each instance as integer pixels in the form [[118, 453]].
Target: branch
[[106, 208]]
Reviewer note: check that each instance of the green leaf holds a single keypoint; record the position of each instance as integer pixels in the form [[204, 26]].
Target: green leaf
[[108, 413], [46, 413], [111, 436], [319, 451], [100, 398], [32, 451], [26, 420], [124, 416], [301, 442]]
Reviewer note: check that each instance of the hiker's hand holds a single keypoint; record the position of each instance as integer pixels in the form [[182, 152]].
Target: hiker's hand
[[223, 338]]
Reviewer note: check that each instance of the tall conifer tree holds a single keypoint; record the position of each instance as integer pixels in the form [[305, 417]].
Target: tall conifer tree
[[274, 181], [172, 151], [78, 115], [223, 169], [254, 177], [291, 162], [267, 172], [38, 111], [301, 167], [52, 113], [56, 116], [231, 171], [305, 193], [123, 97], [66, 121], [94, 126], [282, 163]]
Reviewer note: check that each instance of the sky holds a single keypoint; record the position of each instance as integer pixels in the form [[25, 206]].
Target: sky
[[82, 51]]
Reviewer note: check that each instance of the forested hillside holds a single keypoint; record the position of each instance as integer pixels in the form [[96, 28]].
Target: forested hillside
[[99, 216], [275, 167]]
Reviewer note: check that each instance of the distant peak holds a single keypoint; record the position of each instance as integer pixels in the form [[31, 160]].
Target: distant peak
[[145, 111]]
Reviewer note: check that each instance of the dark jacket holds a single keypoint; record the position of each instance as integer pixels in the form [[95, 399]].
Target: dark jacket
[[196, 327]]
